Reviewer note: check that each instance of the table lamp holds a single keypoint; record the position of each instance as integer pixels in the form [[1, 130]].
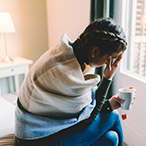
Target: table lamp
[[6, 26]]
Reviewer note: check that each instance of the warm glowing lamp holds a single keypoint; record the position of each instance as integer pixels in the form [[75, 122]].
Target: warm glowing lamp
[[6, 26]]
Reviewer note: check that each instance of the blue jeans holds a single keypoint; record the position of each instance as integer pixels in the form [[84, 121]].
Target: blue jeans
[[105, 130]]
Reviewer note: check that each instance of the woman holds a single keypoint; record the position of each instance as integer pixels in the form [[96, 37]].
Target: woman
[[59, 102]]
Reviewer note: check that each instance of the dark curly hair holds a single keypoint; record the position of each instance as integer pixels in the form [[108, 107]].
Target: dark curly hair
[[104, 33]]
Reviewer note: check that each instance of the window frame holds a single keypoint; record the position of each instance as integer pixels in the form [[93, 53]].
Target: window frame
[[125, 23]]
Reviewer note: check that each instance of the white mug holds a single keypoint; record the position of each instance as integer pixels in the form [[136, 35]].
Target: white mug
[[127, 95]]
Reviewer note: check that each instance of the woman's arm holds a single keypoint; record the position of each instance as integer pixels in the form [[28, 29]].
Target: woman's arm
[[101, 94], [104, 85]]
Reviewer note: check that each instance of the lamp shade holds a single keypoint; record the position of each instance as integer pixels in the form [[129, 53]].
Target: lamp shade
[[6, 23]]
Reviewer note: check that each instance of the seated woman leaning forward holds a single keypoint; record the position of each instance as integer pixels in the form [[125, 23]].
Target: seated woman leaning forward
[[59, 102]]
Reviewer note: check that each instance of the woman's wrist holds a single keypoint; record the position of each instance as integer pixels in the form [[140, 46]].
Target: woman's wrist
[[108, 78]]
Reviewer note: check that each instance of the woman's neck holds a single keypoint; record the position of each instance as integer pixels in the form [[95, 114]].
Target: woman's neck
[[80, 54]]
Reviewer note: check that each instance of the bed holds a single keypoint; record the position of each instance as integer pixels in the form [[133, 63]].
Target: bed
[[7, 117]]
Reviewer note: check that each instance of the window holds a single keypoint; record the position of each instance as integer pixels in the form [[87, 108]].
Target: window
[[134, 18]]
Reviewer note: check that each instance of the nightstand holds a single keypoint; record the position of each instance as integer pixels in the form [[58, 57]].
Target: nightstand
[[18, 66]]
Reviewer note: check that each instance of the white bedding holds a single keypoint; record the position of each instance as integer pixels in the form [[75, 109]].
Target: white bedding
[[7, 117]]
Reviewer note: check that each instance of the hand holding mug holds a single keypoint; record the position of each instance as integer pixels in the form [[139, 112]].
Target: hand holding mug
[[127, 94]]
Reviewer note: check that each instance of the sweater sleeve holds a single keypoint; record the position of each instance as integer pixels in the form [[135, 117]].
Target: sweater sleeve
[[101, 94], [106, 107]]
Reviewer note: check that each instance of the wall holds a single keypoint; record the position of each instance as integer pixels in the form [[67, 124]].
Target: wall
[[39, 25], [66, 16], [30, 20], [135, 126], [31, 37]]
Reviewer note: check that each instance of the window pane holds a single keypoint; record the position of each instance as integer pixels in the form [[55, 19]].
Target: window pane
[[136, 58]]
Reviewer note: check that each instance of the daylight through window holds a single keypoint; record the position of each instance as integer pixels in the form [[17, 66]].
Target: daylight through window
[[136, 58]]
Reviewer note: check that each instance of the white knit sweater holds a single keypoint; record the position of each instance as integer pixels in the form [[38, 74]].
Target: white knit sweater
[[56, 84]]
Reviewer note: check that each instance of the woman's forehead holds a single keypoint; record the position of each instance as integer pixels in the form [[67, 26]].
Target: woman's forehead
[[114, 55]]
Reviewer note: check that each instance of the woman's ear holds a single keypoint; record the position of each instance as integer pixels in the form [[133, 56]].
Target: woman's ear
[[95, 52]]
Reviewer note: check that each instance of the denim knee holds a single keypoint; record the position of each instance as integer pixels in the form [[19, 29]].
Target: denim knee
[[116, 115], [112, 138]]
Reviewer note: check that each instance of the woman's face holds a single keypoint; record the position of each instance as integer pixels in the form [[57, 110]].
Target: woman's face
[[99, 60]]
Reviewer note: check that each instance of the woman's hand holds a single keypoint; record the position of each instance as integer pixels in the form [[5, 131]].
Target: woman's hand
[[115, 101], [111, 69]]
